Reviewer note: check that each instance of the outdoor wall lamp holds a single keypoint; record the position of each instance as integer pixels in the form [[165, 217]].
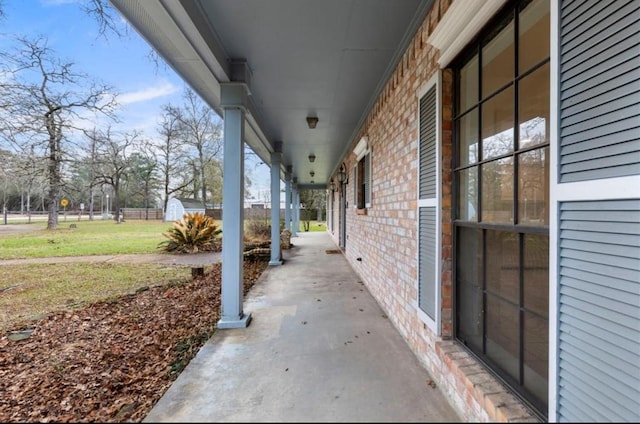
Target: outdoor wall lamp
[[342, 175], [312, 173], [312, 121], [312, 158]]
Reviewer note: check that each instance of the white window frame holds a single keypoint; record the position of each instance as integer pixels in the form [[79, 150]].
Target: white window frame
[[362, 152]]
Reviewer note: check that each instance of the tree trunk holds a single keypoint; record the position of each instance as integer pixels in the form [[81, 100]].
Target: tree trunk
[[54, 192]]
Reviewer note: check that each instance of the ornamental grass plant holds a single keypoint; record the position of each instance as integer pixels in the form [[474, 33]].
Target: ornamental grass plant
[[195, 232]]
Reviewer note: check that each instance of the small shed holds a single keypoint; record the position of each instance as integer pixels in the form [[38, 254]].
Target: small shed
[[178, 206]]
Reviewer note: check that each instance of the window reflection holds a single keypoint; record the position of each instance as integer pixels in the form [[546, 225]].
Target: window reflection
[[533, 108], [497, 61], [468, 200], [469, 84], [469, 273], [497, 125], [533, 189], [469, 138], [533, 34], [497, 191]]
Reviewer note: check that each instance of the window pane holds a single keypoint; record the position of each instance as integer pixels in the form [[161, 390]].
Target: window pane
[[533, 34], [497, 125], [503, 272], [536, 274], [536, 349], [360, 186], [469, 286], [498, 61], [468, 194], [533, 187], [366, 180], [503, 335], [533, 108], [468, 151], [469, 84], [497, 191]]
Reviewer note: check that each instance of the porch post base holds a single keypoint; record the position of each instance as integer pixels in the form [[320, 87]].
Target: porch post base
[[231, 322]]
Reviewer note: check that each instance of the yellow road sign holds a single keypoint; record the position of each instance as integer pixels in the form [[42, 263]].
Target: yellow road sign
[[64, 202]]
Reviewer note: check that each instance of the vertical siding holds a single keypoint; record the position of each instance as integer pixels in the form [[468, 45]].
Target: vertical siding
[[599, 89], [599, 311]]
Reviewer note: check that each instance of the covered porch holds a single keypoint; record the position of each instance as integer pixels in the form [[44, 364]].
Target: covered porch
[[293, 79]]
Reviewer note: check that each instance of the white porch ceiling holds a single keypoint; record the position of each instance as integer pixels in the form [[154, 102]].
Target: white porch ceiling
[[326, 58]]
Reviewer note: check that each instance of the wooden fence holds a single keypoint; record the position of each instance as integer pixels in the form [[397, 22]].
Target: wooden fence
[[142, 213]]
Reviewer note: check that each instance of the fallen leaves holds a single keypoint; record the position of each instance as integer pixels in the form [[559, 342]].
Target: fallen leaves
[[112, 360]]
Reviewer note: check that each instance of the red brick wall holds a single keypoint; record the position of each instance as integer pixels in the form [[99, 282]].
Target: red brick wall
[[382, 244]]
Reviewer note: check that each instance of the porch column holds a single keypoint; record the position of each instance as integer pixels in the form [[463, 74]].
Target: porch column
[[295, 225], [287, 200], [233, 101], [275, 206]]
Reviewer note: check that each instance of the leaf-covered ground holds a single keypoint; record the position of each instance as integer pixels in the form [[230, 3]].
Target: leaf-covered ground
[[110, 361]]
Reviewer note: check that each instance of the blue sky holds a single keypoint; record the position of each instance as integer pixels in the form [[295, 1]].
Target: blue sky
[[122, 63], [118, 62]]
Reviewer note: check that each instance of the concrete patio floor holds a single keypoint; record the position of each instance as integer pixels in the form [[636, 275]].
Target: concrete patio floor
[[318, 349]]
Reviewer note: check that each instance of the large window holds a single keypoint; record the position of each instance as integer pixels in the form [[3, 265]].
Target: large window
[[502, 198]]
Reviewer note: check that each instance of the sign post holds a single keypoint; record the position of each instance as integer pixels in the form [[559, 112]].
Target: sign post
[[64, 202]]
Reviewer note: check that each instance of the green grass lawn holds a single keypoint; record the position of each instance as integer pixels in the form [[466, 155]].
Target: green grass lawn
[[314, 226], [99, 237], [30, 290], [88, 238]]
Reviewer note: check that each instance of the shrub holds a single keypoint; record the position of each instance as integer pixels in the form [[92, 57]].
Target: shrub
[[257, 230], [194, 232]]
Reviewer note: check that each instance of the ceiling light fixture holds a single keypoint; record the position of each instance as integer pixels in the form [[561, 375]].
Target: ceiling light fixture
[[312, 121], [312, 158]]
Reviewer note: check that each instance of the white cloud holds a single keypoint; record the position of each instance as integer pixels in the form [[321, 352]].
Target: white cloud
[[166, 89]]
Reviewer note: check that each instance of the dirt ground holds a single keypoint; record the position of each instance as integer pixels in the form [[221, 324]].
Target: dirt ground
[[186, 259], [110, 361], [18, 228]]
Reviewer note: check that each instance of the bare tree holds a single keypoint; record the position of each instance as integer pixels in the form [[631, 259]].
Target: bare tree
[[106, 17], [170, 154], [46, 99], [200, 128], [114, 153], [30, 175], [110, 22], [143, 175], [214, 180], [92, 159], [312, 199], [6, 171]]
